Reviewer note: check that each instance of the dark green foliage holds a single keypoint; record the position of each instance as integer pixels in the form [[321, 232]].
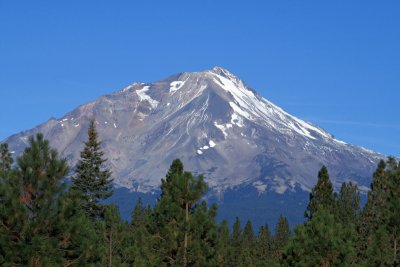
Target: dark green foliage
[[378, 252], [6, 159], [281, 238], [321, 195], [224, 249], [247, 243], [139, 241], [203, 244], [236, 243], [248, 238], [39, 223], [114, 234], [372, 214], [348, 204], [321, 242], [43, 223], [379, 227], [179, 219], [92, 180], [263, 249]]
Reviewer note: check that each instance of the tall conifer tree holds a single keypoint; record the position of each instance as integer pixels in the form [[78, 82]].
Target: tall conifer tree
[[348, 204], [176, 217], [321, 195], [6, 159], [281, 237], [93, 180], [39, 225], [321, 241]]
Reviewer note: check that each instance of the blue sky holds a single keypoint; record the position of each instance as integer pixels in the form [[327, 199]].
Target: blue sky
[[333, 63]]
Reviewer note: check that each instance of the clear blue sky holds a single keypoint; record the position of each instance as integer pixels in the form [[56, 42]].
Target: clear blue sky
[[333, 63]]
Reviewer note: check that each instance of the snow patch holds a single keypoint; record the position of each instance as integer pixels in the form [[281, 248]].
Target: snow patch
[[211, 143], [143, 96], [115, 125], [76, 125], [237, 120], [260, 186], [199, 152], [280, 189], [240, 111], [128, 87], [222, 127], [340, 142], [252, 107], [175, 86]]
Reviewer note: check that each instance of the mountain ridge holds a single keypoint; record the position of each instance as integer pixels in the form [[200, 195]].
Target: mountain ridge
[[216, 124]]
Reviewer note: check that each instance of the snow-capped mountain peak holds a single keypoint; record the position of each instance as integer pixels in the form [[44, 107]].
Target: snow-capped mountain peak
[[216, 124]]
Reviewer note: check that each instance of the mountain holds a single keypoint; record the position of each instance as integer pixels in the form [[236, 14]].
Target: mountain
[[218, 126]]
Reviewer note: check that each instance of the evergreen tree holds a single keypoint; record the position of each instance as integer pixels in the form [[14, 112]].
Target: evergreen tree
[[39, 223], [92, 180], [372, 215], [203, 250], [348, 204], [6, 159], [114, 234], [248, 238], [378, 250], [224, 245], [247, 245], [281, 238], [379, 227], [392, 216], [322, 241], [236, 243], [264, 247], [174, 215], [138, 242], [321, 195]]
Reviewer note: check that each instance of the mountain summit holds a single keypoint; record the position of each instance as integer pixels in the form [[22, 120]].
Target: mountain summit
[[216, 125]]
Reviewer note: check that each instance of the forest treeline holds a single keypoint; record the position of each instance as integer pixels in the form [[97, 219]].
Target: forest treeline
[[46, 222]]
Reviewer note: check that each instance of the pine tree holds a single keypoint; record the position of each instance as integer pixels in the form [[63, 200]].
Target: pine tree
[[92, 180], [348, 204], [236, 243], [378, 249], [248, 238], [321, 195], [372, 215], [203, 249], [174, 215], [247, 245], [137, 249], [114, 235], [264, 246], [6, 159], [39, 224], [281, 237], [392, 214], [224, 246], [322, 241], [379, 227]]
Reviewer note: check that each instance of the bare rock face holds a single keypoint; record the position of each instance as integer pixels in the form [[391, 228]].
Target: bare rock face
[[216, 125]]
